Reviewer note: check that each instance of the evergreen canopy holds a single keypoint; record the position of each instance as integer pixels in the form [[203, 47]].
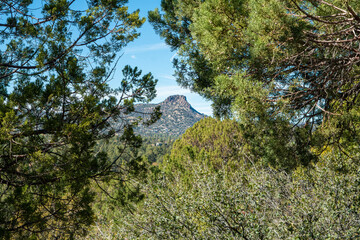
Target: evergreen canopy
[[304, 51], [56, 59]]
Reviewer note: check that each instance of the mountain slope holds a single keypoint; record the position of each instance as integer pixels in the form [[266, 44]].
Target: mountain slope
[[177, 116]]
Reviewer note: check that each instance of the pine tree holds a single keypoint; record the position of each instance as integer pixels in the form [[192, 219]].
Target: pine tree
[[56, 59]]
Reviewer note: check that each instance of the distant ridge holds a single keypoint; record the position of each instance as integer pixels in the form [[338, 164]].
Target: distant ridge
[[177, 116]]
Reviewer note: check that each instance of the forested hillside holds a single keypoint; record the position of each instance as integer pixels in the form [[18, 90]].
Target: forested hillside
[[279, 159]]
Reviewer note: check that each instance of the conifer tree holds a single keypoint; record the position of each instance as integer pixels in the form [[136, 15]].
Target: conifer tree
[[220, 143], [302, 56], [305, 52], [56, 59]]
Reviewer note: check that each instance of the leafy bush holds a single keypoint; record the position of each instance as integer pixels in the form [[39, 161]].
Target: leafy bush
[[218, 143], [252, 203]]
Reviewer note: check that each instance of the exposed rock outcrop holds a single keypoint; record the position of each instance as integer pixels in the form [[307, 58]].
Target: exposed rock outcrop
[[177, 116]]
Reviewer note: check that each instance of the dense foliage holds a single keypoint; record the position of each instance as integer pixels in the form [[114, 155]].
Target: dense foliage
[[287, 72], [281, 161], [153, 149], [219, 143], [251, 203], [302, 54], [56, 59], [267, 40]]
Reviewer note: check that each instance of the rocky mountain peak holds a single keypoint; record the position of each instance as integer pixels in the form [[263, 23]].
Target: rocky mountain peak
[[176, 100], [177, 116]]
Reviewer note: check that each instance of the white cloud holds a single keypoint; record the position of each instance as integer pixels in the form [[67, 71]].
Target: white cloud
[[168, 77], [133, 56], [147, 48]]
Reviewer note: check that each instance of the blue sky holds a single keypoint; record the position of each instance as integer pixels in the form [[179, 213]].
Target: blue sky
[[150, 54]]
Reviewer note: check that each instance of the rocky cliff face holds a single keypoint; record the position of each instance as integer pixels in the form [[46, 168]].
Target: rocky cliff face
[[177, 101], [177, 116]]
